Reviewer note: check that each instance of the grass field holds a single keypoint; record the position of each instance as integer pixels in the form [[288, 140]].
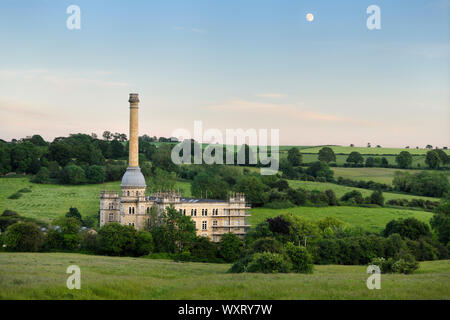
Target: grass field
[[341, 190], [370, 219], [48, 201], [362, 150], [43, 276], [381, 175]]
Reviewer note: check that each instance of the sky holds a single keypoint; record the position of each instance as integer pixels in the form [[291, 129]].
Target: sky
[[230, 64]]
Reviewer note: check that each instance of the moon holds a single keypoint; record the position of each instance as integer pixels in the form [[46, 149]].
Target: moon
[[309, 17]]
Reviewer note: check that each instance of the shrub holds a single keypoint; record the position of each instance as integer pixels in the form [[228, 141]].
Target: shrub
[[117, 240], [230, 247], [354, 195], [73, 174], [43, 176], [95, 174], [407, 228], [23, 237], [301, 259], [74, 213], [144, 243], [267, 245], [268, 262], [377, 198], [89, 242], [16, 195]]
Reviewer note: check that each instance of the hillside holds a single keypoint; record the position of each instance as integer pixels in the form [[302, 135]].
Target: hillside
[[43, 276]]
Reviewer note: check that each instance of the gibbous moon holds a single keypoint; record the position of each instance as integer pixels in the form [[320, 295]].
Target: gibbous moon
[[309, 17]]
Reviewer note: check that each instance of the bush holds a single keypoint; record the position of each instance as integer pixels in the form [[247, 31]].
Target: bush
[[144, 243], [89, 242], [73, 174], [23, 237], [15, 196], [354, 195], [301, 259], [404, 263], [95, 174], [377, 198], [408, 228], [43, 176], [266, 245], [117, 240], [230, 247], [268, 262]]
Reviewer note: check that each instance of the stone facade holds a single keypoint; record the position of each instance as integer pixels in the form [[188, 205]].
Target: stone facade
[[212, 218]]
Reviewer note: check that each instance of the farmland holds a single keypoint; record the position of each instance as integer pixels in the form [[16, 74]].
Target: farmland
[[43, 276]]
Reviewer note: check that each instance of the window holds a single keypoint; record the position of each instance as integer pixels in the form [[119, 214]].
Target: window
[[148, 209], [204, 225], [215, 223], [128, 193], [203, 212], [111, 217], [131, 210], [192, 212], [184, 212], [131, 224], [206, 212], [137, 193], [181, 211], [195, 212], [215, 238]]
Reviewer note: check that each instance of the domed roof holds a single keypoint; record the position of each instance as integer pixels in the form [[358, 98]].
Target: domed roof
[[133, 177]]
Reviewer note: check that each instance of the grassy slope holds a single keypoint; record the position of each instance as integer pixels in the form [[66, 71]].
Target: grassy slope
[[364, 150], [370, 219], [341, 190], [48, 201], [381, 175], [43, 276]]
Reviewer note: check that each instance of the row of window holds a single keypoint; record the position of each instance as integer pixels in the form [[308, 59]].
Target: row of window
[[215, 212]]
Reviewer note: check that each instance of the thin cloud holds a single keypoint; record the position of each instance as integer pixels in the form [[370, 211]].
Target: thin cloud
[[271, 95]]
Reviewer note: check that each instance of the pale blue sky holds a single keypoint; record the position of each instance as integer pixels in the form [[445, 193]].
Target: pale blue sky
[[232, 64]]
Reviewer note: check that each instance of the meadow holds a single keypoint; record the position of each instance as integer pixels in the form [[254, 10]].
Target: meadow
[[341, 190], [362, 150], [49, 201], [43, 276], [369, 219]]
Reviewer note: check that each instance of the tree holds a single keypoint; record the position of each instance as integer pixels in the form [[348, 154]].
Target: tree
[[404, 160], [320, 169], [107, 135], [294, 157], [354, 195], [432, 159], [175, 233], [64, 234], [327, 154], [370, 162], [407, 228], [117, 149], [208, 185], [37, 140], [95, 174], [23, 237], [117, 240], [230, 247], [377, 198], [443, 156], [144, 243], [355, 158], [74, 213], [301, 259], [43, 176], [440, 222], [73, 174], [253, 188]]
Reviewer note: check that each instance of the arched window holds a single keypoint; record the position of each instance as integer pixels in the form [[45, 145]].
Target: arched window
[[128, 193]]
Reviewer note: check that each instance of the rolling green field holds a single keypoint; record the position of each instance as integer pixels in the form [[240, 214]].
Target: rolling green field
[[362, 150], [49, 201], [381, 175], [370, 219], [43, 276], [341, 190]]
